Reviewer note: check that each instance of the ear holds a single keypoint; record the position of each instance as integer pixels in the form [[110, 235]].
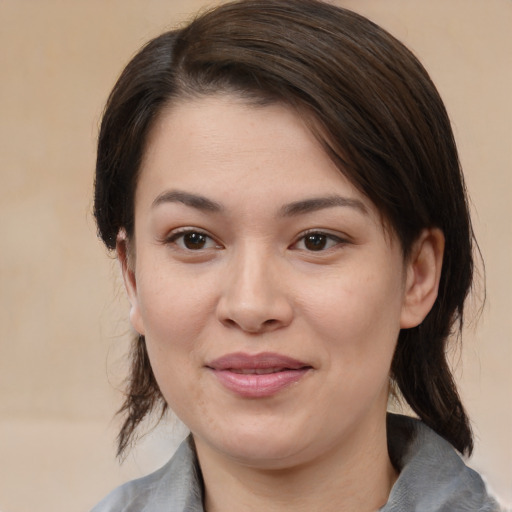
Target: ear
[[423, 272], [126, 261]]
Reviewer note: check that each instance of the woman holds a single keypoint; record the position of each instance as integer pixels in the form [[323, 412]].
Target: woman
[[281, 185]]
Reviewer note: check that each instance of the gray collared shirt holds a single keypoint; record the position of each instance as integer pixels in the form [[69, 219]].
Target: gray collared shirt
[[433, 478]]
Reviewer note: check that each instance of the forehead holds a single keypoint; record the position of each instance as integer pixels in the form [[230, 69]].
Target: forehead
[[224, 144]]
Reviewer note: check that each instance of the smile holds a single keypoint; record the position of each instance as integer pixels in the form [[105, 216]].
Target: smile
[[258, 371], [257, 376]]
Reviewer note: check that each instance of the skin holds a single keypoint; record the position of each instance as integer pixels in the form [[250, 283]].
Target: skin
[[244, 278]]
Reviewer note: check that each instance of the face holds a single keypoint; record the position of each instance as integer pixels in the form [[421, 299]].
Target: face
[[269, 292]]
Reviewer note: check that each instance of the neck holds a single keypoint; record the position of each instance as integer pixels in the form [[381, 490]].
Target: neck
[[341, 479]]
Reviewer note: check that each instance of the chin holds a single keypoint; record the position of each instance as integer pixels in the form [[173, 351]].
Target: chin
[[269, 457], [260, 446]]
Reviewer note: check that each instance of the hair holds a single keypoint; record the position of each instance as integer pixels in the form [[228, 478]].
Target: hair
[[379, 117]]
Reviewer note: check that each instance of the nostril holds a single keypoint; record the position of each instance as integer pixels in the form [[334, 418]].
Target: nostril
[[271, 323]]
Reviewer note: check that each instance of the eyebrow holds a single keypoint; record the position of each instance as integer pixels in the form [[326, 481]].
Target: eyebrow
[[192, 200], [289, 210], [320, 203]]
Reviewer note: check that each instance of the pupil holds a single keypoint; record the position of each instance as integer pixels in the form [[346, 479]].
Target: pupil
[[315, 242], [194, 241]]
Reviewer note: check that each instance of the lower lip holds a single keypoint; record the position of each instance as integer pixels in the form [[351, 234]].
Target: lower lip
[[258, 386]]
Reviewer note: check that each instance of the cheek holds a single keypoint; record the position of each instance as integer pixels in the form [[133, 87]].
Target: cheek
[[175, 307], [173, 325], [358, 315], [175, 315]]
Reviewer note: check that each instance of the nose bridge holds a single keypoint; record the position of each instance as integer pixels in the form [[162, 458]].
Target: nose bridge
[[253, 272], [253, 298]]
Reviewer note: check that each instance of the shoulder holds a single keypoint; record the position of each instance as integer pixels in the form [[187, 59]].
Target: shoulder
[[433, 476], [176, 487]]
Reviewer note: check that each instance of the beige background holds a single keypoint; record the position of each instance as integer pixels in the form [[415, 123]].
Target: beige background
[[62, 312]]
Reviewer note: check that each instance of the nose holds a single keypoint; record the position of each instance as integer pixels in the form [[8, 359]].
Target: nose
[[254, 297]]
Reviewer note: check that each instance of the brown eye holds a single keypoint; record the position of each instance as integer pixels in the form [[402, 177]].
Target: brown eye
[[315, 242], [194, 241]]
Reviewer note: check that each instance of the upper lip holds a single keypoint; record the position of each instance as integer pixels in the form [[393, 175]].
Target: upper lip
[[261, 361]]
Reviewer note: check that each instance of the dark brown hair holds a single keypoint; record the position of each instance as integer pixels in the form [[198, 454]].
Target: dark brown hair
[[377, 113]]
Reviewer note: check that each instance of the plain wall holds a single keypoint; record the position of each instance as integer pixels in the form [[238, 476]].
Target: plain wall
[[62, 308]]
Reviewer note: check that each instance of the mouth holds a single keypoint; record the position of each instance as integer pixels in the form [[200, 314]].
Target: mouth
[[257, 376], [258, 371]]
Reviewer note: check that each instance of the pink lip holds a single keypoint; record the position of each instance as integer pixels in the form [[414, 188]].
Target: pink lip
[[257, 376]]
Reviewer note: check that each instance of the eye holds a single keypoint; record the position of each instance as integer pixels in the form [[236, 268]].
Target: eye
[[192, 240], [317, 241]]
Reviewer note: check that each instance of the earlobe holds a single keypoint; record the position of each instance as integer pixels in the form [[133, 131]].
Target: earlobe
[[130, 283], [423, 272]]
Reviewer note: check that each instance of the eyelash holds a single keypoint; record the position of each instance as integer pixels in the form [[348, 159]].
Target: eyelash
[[175, 236], [324, 239], [336, 240]]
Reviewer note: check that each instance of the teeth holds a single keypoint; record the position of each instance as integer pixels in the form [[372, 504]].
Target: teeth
[[257, 371]]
